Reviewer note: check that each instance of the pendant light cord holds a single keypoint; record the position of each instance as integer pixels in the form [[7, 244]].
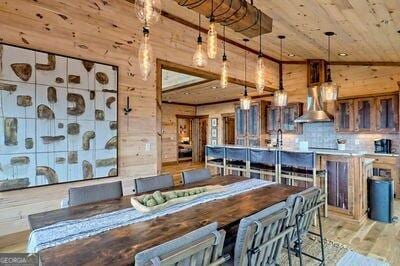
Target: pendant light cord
[[260, 54], [199, 25], [245, 68], [281, 68], [224, 55]]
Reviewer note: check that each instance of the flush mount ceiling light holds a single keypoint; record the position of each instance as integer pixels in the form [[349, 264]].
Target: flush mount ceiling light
[[145, 54], [260, 68], [329, 89], [224, 68], [245, 100], [212, 45], [148, 11], [199, 57], [343, 54], [291, 55], [280, 96]]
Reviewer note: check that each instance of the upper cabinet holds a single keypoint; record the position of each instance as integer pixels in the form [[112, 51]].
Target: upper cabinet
[[369, 114], [284, 117], [387, 114]]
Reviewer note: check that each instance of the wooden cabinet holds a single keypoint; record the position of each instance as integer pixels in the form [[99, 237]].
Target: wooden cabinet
[[338, 183], [387, 114], [364, 111], [250, 124], [284, 118], [344, 116]]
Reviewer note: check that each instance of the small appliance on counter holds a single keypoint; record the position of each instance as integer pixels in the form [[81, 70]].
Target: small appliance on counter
[[341, 144], [383, 146]]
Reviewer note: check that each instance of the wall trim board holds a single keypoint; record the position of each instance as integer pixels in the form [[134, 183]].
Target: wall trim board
[[348, 63]]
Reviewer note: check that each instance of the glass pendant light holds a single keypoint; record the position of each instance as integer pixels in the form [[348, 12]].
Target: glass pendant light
[[224, 68], [260, 69], [280, 96], [245, 100], [212, 45], [199, 57], [145, 55], [329, 89], [148, 11]]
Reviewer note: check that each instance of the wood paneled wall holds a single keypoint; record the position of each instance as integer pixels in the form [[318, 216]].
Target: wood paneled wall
[[169, 129], [104, 31]]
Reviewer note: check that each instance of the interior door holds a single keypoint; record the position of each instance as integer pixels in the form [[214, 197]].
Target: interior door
[[229, 130]]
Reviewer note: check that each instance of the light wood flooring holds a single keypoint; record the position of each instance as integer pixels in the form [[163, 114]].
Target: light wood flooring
[[369, 238]]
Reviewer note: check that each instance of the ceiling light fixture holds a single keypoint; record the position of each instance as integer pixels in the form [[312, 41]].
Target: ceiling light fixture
[[199, 57], [245, 100], [343, 54], [224, 68], [291, 55], [329, 89], [212, 44], [148, 11], [260, 69], [280, 96], [145, 54]]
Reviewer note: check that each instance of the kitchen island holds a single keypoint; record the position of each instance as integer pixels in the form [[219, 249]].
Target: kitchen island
[[346, 172]]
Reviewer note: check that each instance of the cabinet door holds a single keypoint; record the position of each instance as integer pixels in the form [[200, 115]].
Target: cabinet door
[[338, 177], [289, 114], [387, 113], [344, 117], [273, 118], [254, 121], [364, 114], [241, 123]]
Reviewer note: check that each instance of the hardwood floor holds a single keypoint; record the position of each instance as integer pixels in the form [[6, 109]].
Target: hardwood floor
[[369, 238]]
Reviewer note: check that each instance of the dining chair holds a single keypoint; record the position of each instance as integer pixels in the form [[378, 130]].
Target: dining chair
[[261, 236], [88, 194], [263, 163], [195, 175], [151, 183], [199, 247], [308, 203]]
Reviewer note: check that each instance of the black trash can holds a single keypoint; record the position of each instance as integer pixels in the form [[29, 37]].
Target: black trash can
[[380, 199]]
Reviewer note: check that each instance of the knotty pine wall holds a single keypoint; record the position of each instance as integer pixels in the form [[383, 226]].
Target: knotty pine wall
[[105, 31]]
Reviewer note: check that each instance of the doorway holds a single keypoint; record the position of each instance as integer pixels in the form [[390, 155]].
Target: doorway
[[228, 128]]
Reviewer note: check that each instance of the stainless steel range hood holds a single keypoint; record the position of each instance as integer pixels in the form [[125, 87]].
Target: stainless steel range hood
[[315, 111]]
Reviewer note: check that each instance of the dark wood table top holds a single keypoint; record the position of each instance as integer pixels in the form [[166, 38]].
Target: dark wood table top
[[119, 246]]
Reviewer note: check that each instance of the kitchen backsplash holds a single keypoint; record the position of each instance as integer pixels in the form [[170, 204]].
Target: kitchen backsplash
[[324, 135]]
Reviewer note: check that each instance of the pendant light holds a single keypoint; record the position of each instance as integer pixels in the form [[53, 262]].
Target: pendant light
[[280, 96], [199, 57], [224, 68], [329, 89], [212, 45], [260, 69], [245, 101], [145, 54], [148, 11]]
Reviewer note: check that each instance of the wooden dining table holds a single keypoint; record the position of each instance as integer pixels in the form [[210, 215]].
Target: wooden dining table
[[119, 246]]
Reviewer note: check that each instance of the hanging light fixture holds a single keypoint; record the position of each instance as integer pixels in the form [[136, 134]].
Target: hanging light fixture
[[245, 101], [148, 11], [199, 57], [212, 45], [280, 96], [329, 89], [260, 69], [145, 54], [224, 68]]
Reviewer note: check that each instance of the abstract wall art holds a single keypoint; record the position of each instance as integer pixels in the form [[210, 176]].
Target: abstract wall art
[[57, 119]]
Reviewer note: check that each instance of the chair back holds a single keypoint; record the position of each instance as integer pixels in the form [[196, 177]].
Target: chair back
[[215, 152], [151, 183], [200, 247], [298, 159], [307, 202], [261, 236], [236, 154], [195, 175], [263, 156], [94, 193]]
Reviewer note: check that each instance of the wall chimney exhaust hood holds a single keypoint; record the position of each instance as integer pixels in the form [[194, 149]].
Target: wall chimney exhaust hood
[[315, 112]]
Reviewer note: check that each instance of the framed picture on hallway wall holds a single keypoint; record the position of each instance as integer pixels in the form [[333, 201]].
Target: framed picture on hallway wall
[[59, 116], [214, 131]]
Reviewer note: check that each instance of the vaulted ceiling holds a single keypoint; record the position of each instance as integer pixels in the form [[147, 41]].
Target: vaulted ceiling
[[367, 30]]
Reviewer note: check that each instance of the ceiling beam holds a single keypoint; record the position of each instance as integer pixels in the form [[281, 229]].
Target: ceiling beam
[[185, 86], [348, 63]]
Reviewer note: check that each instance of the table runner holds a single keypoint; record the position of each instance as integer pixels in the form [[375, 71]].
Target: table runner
[[66, 231]]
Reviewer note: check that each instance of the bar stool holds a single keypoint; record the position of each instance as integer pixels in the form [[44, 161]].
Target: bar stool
[[300, 169], [236, 161], [263, 163], [215, 157]]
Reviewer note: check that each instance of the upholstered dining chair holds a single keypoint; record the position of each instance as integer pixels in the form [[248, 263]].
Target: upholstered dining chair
[[200, 247], [151, 183], [195, 175], [261, 236], [308, 203], [88, 194]]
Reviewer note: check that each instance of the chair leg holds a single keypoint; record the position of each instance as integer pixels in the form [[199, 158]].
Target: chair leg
[[321, 237], [288, 250], [298, 242]]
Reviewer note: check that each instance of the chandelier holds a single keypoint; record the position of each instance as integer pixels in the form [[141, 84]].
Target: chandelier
[[329, 89], [224, 68], [148, 11], [145, 54], [260, 69], [212, 45], [199, 57], [280, 96]]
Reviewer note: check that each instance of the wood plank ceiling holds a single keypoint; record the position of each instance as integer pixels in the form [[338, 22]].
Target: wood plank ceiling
[[366, 30]]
